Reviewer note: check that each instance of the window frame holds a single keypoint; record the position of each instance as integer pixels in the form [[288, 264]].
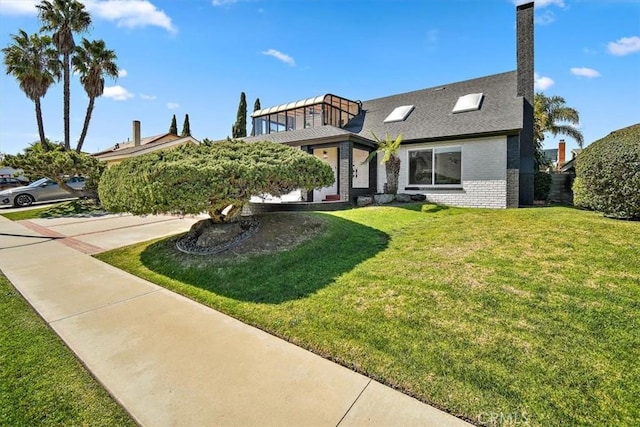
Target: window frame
[[433, 150]]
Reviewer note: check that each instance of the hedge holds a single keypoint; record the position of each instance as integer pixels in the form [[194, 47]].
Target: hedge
[[608, 175]]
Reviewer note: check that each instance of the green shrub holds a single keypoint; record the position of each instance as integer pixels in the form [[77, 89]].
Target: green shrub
[[541, 185], [209, 177], [608, 174]]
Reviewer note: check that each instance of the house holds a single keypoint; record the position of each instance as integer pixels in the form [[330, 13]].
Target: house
[[138, 146], [466, 143], [556, 157]]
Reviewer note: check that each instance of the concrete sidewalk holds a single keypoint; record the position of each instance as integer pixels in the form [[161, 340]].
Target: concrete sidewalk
[[172, 362]]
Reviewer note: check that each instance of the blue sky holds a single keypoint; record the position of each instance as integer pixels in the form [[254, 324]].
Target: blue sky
[[196, 56]]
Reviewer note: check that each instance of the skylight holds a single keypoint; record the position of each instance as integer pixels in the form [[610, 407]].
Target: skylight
[[470, 102], [399, 114]]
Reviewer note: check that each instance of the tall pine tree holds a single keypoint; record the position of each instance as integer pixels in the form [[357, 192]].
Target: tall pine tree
[[173, 129], [239, 129], [256, 107], [186, 128]]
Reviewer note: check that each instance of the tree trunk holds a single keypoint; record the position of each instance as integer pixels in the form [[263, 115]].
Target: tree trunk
[[43, 142], [392, 168], [67, 96], [85, 128]]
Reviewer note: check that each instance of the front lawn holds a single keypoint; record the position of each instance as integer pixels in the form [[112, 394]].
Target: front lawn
[[41, 382], [514, 315], [75, 207]]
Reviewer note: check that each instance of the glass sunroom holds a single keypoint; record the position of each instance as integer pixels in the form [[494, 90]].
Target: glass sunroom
[[308, 113]]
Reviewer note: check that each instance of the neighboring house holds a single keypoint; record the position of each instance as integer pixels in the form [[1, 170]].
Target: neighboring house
[[468, 143], [138, 146], [570, 166], [556, 156]]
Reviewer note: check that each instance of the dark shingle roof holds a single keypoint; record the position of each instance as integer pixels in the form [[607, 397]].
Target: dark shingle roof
[[501, 111], [300, 135]]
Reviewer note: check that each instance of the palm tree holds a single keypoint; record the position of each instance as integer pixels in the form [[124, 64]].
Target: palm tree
[[33, 61], [93, 61], [64, 17], [552, 115], [39, 147], [389, 147]]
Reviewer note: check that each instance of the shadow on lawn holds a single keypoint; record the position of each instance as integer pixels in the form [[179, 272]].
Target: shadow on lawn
[[274, 278]]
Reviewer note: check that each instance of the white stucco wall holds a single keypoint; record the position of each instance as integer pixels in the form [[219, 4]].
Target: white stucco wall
[[484, 174]]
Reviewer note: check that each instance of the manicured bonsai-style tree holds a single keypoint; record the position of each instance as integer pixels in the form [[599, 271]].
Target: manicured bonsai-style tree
[[57, 163], [389, 148], [608, 174], [209, 177]]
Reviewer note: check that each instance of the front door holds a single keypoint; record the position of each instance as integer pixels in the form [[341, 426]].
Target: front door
[[360, 168], [328, 155]]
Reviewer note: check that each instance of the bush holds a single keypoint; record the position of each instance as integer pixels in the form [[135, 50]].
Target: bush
[[209, 177], [608, 174], [541, 185]]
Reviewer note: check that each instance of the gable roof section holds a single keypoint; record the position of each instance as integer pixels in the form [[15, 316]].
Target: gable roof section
[[130, 144], [131, 150], [501, 111]]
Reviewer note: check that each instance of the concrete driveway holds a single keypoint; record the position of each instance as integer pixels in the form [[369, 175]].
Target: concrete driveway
[[96, 234]]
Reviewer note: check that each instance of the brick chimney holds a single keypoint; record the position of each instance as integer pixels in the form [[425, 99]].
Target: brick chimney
[[561, 153], [136, 133], [525, 69]]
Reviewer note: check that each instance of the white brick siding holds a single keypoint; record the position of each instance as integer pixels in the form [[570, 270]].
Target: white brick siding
[[484, 174]]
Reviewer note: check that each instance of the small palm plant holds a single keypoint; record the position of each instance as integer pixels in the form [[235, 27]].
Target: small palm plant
[[389, 147]]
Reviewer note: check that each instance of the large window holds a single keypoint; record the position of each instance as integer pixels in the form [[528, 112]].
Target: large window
[[435, 166]]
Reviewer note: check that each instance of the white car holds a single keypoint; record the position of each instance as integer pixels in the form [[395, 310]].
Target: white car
[[42, 190]]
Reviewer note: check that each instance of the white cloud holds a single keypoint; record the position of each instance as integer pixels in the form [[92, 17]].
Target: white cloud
[[130, 13], [541, 3], [585, 72], [541, 82], [117, 93], [545, 3], [122, 72], [624, 46], [172, 105], [280, 56], [147, 97], [125, 13], [18, 7], [222, 2], [545, 18]]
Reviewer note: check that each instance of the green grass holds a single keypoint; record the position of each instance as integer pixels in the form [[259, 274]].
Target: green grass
[[41, 382], [26, 214], [527, 314], [70, 208]]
